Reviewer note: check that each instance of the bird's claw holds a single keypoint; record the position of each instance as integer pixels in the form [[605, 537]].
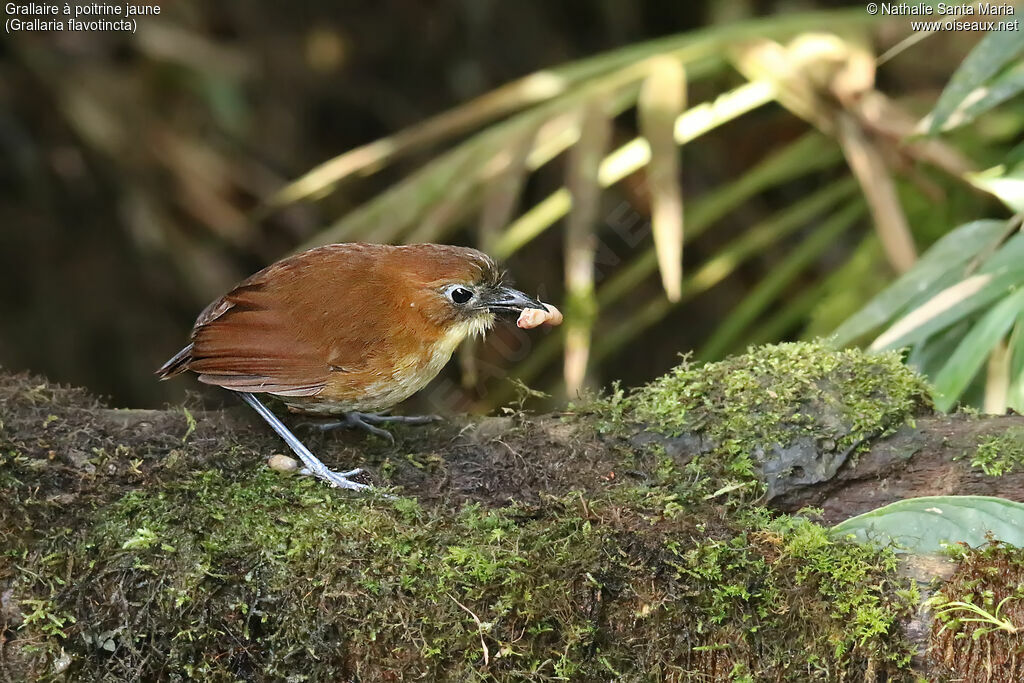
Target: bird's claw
[[339, 480], [368, 421], [306, 472]]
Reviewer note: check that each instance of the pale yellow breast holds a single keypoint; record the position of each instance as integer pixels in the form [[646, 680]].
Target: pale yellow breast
[[414, 372], [408, 375]]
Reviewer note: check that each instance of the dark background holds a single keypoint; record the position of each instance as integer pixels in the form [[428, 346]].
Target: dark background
[[131, 166]]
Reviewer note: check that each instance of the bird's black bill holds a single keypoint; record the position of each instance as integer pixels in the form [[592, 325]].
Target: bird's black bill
[[506, 299]]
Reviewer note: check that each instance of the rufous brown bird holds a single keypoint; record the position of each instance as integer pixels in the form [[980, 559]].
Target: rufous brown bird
[[346, 330]]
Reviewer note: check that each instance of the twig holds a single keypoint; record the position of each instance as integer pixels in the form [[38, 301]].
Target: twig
[[479, 626]]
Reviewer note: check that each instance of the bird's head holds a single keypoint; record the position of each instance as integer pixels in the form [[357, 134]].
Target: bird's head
[[462, 290]]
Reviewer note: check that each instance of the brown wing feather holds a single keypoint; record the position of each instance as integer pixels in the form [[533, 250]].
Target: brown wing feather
[[252, 338], [177, 364]]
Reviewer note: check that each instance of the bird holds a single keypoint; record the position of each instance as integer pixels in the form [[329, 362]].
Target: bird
[[346, 330]]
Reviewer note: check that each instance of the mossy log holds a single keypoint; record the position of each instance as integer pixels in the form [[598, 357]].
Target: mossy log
[[649, 536]]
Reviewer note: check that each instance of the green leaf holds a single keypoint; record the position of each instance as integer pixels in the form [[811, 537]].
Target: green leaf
[[994, 51], [1007, 186], [932, 523], [949, 306], [1016, 155], [1015, 396], [929, 358], [1001, 88], [1017, 348], [974, 348], [1010, 253], [952, 251]]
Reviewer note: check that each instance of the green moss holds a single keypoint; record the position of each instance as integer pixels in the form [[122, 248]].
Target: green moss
[[225, 579], [791, 566], [771, 397], [842, 574], [297, 572], [999, 455], [759, 396]]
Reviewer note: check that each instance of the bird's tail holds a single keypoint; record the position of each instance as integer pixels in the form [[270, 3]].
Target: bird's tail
[[177, 364]]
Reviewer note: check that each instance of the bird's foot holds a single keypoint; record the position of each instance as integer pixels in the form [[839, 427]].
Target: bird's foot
[[312, 464], [368, 421], [338, 479]]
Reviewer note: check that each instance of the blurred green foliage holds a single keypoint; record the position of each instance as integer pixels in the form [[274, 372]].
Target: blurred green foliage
[[960, 310]]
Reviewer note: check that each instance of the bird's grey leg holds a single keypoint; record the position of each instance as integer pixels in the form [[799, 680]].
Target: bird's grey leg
[[312, 463], [366, 421]]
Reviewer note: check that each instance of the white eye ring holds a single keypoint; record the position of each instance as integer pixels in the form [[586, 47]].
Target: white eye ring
[[458, 294]]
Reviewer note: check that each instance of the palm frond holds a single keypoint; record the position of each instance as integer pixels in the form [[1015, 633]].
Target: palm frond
[[662, 100]]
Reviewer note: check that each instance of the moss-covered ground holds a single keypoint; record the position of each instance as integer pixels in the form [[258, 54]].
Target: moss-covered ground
[[999, 455], [984, 642], [802, 409], [165, 550]]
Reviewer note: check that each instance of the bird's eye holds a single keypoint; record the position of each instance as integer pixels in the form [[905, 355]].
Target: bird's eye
[[460, 295]]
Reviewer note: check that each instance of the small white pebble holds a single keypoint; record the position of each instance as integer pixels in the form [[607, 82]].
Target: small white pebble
[[61, 663], [282, 463]]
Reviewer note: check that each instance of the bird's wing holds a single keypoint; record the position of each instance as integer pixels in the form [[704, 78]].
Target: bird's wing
[[252, 339]]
